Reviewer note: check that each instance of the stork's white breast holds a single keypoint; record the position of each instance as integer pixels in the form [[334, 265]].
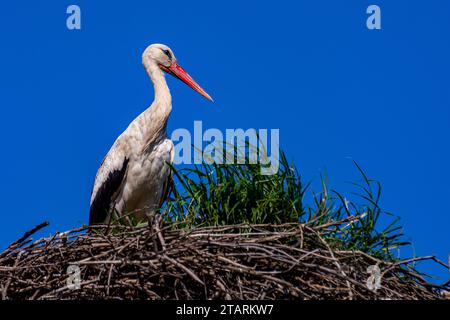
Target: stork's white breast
[[146, 177]]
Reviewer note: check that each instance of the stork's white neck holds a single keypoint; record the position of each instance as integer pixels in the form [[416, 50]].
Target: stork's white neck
[[162, 92], [152, 122]]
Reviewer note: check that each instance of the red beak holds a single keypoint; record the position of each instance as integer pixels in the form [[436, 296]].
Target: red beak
[[178, 72]]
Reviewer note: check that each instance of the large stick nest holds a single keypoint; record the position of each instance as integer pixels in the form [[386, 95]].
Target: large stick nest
[[289, 261]]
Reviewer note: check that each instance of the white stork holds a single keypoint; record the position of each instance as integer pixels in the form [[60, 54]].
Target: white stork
[[133, 176]]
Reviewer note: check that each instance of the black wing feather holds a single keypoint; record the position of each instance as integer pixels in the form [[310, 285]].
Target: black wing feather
[[102, 202], [167, 189]]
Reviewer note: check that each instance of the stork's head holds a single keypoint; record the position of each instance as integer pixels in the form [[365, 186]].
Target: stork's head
[[163, 57]]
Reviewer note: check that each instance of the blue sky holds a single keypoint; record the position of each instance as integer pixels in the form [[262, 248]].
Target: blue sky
[[336, 90]]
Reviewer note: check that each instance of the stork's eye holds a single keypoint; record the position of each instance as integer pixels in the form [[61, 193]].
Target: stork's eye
[[167, 52]]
